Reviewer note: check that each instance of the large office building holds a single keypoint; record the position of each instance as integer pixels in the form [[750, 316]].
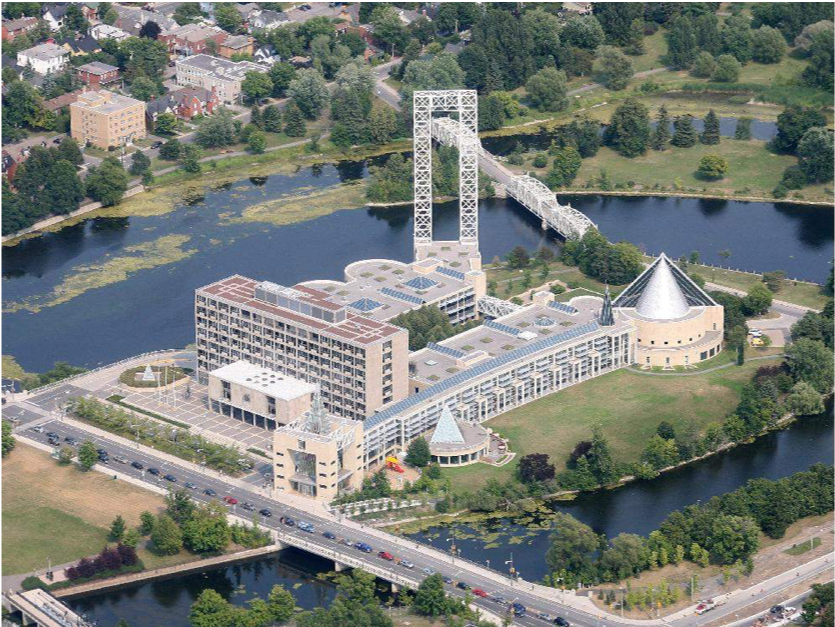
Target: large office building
[[216, 74], [376, 396]]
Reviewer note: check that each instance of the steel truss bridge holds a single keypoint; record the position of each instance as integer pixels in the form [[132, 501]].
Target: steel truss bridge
[[528, 191]]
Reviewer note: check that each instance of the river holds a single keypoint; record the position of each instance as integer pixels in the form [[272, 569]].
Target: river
[[107, 288]]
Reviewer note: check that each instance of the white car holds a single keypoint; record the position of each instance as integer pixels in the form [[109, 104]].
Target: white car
[[755, 332]]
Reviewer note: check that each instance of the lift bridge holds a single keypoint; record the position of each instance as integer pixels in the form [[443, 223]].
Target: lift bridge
[[528, 191]]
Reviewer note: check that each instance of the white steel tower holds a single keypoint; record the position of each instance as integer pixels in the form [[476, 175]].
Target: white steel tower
[[464, 103]]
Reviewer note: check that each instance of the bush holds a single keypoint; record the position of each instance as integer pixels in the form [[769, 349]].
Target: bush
[[32, 582], [540, 161]]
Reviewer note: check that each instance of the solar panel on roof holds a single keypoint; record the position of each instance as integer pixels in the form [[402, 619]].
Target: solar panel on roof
[[420, 283], [502, 328], [482, 368], [562, 307], [401, 296], [444, 350], [455, 274], [365, 304]]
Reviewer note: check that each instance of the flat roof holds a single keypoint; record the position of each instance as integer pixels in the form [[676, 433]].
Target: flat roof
[[503, 336], [97, 67], [220, 67], [393, 286], [105, 101], [355, 328], [45, 51], [263, 380]]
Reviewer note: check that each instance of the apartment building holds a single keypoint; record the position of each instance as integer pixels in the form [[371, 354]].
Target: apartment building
[[191, 39], [104, 119], [360, 363], [97, 74], [212, 73]]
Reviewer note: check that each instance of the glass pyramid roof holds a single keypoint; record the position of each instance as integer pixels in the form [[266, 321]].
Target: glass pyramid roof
[[365, 304], [420, 283], [447, 431]]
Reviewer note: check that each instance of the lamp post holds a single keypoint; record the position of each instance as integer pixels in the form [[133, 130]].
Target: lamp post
[[512, 569]]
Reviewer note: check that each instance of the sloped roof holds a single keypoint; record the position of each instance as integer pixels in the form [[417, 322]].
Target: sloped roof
[[447, 430], [663, 292]]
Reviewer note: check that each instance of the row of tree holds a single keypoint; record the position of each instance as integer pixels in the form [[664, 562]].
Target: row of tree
[[725, 530], [108, 562]]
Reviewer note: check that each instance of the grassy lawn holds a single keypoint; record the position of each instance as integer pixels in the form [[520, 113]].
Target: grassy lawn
[[655, 47], [59, 512], [504, 277], [627, 405], [806, 294]]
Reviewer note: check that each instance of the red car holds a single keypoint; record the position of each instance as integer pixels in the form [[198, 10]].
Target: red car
[[385, 555], [480, 593], [230, 500]]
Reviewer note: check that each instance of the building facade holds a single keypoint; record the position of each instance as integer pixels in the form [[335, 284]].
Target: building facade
[[44, 59], [15, 28], [97, 74], [218, 74], [104, 119]]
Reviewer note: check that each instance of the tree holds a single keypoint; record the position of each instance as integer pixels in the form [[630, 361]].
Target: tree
[[736, 38], [117, 529], [144, 88], [170, 150], [543, 28], [814, 326], [534, 468], [257, 142], [626, 557], [179, 506], [63, 190], [635, 45], [281, 74], [757, 301], [713, 167], [166, 124], [812, 362], [804, 400], [573, 545], [108, 182], [600, 458], [228, 17], [388, 28], [819, 72], [139, 163], [65, 455], [684, 135], [767, 45], [309, 92], [583, 32], [681, 43], [217, 131], [616, 17], [207, 530], [166, 535], [727, 69], [547, 90], [805, 40], [704, 66], [814, 155], [23, 106], [418, 454], [660, 453], [382, 125], [566, 165], [792, 124], [491, 113], [614, 67], [629, 130], [430, 599], [732, 538], [272, 119], [8, 439], [256, 85], [294, 124], [661, 132], [742, 131], [146, 523], [666, 430], [518, 258], [281, 604], [190, 156], [68, 150], [87, 455], [131, 538], [708, 37], [210, 609], [710, 136]]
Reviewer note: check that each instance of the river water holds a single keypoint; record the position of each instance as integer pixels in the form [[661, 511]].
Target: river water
[[153, 308]]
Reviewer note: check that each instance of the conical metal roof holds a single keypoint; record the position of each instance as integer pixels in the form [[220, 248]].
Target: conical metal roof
[[447, 430], [662, 299]]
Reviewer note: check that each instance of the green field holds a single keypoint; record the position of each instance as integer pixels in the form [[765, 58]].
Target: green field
[[627, 405]]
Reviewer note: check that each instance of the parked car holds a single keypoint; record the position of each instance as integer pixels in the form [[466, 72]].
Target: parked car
[[120, 460], [330, 535], [288, 521], [347, 542], [156, 144], [386, 555], [52, 434], [406, 564], [153, 471], [265, 513], [428, 571], [138, 465], [544, 616], [248, 506], [447, 580], [500, 600], [777, 609], [57, 140], [71, 441], [462, 585], [362, 546], [190, 485], [755, 332], [519, 609], [306, 527], [480, 593], [559, 620], [209, 492], [230, 500], [37, 429], [170, 478]]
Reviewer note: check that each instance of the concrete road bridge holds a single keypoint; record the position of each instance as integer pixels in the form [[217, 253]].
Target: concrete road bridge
[[526, 190]]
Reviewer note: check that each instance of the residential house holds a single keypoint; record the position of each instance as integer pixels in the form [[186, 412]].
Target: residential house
[[301, 62], [237, 44], [266, 55], [53, 14], [191, 39], [15, 154], [90, 10], [98, 74], [131, 20], [44, 59], [247, 10], [81, 44], [105, 31], [62, 101], [268, 20], [168, 9], [14, 28], [184, 103], [105, 119], [218, 74], [581, 8]]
